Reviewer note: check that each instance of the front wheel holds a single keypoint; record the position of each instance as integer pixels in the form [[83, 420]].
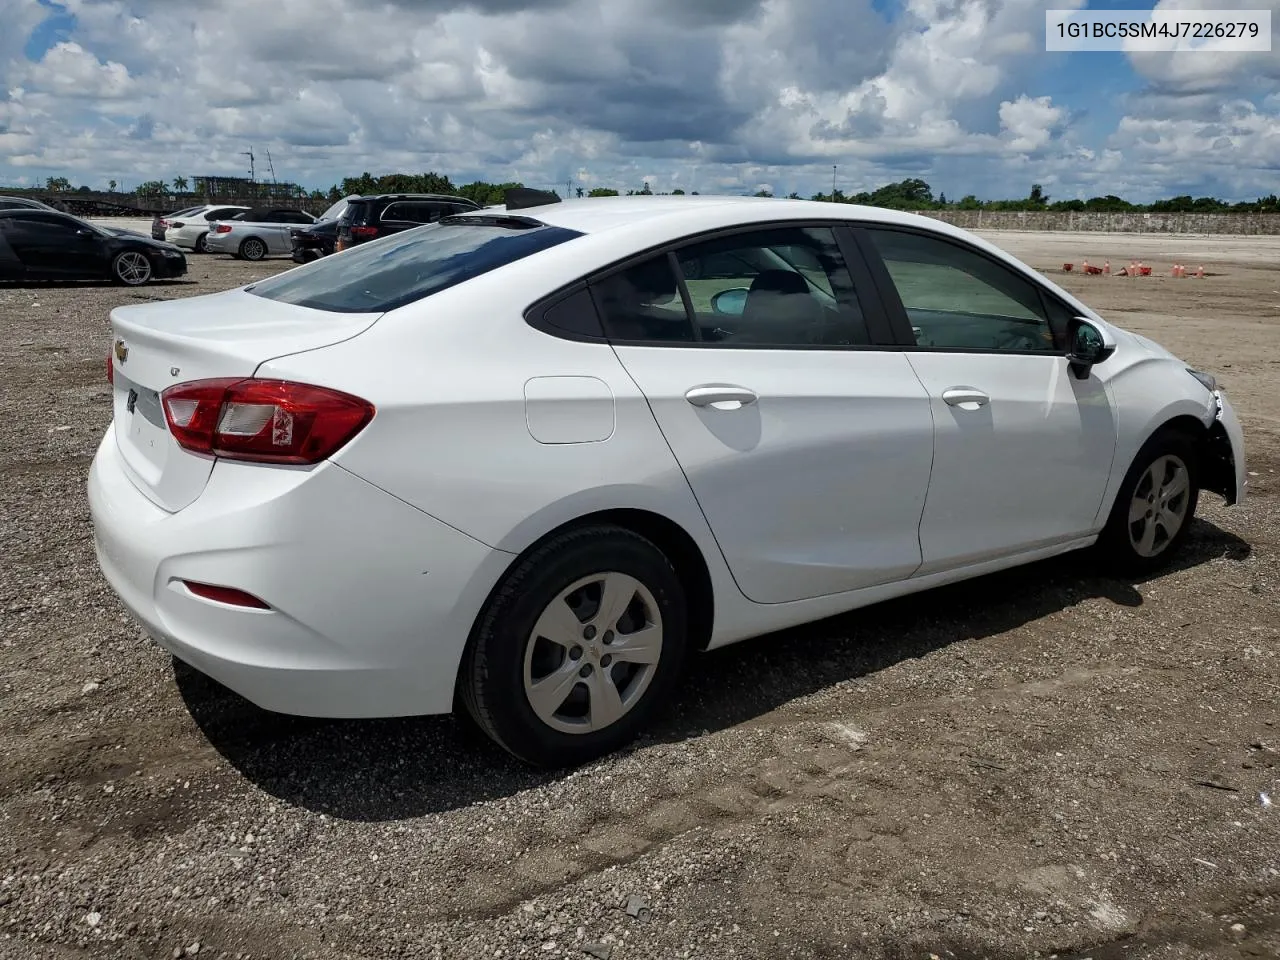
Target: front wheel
[[1155, 505], [131, 268], [577, 647]]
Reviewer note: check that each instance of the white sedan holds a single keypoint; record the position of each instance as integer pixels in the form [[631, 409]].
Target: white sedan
[[190, 228], [534, 456]]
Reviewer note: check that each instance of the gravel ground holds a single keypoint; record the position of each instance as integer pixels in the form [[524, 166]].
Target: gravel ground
[[1044, 762]]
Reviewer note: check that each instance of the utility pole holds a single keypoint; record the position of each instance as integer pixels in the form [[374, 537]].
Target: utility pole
[[833, 183], [249, 153]]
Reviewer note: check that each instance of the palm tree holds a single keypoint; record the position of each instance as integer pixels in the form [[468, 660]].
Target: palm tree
[[111, 186], [180, 184]]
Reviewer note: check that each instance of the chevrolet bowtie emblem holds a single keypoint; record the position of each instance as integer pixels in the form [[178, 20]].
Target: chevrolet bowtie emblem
[[122, 352]]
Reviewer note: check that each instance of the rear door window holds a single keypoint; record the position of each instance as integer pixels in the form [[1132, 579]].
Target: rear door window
[[408, 266], [412, 211]]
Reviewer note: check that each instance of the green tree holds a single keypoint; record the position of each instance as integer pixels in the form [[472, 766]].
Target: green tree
[[602, 192], [180, 184], [58, 185], [763, 193], [151, 188], [677, 192], [111, 186], [1038, 197]]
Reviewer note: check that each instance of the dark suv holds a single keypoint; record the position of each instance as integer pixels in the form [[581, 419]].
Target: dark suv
[[367, 218]]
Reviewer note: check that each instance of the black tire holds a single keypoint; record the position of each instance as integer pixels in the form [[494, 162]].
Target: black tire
[[492, 675], [251, 248], [202, 245], [1118, 543]]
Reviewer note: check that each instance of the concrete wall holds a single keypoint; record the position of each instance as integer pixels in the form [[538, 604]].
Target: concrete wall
[[1236, 224]]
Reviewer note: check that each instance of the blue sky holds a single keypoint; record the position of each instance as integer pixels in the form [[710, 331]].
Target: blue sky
[[719, 95]]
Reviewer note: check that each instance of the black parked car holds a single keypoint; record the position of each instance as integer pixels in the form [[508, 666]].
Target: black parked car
[[314, 241], [47, 245], [368, 218]]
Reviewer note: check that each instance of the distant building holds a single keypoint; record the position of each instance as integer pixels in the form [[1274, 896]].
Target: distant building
[[244, 188]]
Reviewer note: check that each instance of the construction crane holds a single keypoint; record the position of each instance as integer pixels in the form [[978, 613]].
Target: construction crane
[[249, 153]]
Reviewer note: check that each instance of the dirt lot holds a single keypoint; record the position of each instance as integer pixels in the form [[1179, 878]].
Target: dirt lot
[[1037, 763]]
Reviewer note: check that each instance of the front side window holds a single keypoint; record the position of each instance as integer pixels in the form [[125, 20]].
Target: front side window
[[957, 298], [773, 287], [404, 267]]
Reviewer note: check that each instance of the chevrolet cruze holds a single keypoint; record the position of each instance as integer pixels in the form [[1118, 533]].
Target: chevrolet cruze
[[526, 459]]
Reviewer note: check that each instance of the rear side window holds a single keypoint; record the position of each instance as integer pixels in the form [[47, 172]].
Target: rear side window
[[407, 266]]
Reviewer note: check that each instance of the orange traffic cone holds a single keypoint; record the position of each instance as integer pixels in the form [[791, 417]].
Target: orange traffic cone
[[1200, 272], [1106, 268], [1174, 272]]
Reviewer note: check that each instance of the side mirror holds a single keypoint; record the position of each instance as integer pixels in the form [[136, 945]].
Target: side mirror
[[730, 302], [1087, 345], [84, 234]]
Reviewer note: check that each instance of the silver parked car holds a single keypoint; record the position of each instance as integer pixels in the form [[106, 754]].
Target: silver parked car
[[257, 233]]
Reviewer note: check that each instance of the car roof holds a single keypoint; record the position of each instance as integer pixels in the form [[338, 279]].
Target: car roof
[[707, 211], [14, 211], [409, 196], [31, 202]]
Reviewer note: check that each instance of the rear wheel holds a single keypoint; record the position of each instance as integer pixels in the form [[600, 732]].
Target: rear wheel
[[577, 647], [1155, 505], [202, 245], [130, 268], [253, 249]]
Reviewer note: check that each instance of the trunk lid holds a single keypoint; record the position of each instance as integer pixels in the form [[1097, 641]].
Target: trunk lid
[[155, 346]]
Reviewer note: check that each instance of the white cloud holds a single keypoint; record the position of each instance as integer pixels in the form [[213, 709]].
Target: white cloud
[[704, 94]]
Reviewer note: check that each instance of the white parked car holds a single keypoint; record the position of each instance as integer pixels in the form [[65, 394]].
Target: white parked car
[[258, 233], [535, 456], [190, 228]]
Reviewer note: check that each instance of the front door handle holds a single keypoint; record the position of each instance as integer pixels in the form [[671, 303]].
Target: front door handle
[[720, 397], [966, 398]]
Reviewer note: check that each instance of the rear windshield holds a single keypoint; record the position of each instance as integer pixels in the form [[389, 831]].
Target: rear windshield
[[355, 212], [388, 273]]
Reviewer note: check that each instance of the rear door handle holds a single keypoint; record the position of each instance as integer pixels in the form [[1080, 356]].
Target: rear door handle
[[720, 397], [966, 398]]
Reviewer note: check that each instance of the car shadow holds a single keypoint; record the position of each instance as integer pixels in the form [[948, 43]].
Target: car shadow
[[385, 770]]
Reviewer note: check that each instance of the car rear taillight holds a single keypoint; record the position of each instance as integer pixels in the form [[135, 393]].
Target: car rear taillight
[[266, 421], [222, 228], [364, 233], [228, 595], [164, 224]]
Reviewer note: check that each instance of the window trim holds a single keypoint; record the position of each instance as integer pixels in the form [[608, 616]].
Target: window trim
[[874, 314], [897, 312]]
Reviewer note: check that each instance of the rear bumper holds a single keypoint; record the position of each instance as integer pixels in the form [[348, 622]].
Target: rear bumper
[[220, 243], [371, 601]]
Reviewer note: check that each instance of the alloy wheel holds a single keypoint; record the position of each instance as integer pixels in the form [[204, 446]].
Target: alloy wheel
[[592, 653], [133, 268], [1158, 509]]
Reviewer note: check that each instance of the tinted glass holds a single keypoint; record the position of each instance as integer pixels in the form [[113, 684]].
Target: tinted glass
[[413, 212], [643, 303], [356, 212], [407, 266], [957, 298], [783, 287]]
